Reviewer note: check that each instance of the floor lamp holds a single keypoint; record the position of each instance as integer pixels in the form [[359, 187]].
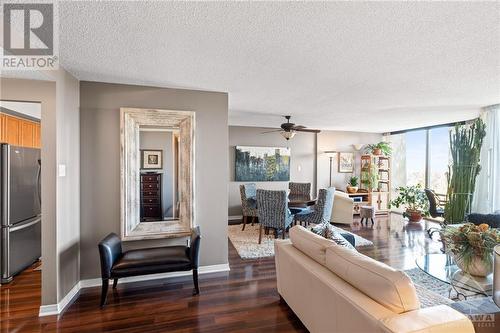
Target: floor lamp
[[330, 154]]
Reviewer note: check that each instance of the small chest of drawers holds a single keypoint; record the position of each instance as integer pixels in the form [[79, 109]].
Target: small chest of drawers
[[151, 197]]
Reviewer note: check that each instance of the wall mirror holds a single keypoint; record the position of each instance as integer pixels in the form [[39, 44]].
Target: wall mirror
[[157, 173]]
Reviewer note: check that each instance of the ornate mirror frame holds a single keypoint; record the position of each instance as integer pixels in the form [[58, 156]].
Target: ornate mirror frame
[[130, 121]]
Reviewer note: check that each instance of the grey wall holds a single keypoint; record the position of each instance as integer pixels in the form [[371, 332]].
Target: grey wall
[[303, 161], [302, 167], [68, 186], [100, 165], [45, 93], [163, 141], [59, 97]]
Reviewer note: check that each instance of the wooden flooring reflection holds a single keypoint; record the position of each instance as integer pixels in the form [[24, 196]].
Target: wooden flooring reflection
[[242, 300]]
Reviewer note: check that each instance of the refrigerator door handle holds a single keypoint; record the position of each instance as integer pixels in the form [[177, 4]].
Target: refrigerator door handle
[[24, 226], [38, 182]]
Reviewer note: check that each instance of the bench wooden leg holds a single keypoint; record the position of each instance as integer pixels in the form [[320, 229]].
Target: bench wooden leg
[[253, 220], [195, 281], [104, 291], [115, 282]]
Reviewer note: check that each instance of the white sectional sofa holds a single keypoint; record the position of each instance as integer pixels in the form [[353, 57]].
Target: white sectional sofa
[[335, 289]]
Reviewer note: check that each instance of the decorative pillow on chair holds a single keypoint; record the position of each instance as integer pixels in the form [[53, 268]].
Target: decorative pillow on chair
[[326, 230]]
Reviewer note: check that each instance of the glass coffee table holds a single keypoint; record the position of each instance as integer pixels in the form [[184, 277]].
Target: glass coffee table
[[443, 268]]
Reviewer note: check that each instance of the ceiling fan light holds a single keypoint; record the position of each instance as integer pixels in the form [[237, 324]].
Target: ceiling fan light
[[288, 135]]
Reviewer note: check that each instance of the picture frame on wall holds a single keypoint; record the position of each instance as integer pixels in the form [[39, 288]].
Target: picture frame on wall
[[346, 162], [151, 159]]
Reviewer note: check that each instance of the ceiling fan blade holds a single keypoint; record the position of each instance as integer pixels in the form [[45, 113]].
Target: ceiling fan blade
[[299, 127], [273, 131], [307, 130]]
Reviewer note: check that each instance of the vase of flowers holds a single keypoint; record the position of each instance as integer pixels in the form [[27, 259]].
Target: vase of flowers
[[415, 202], [471, 246]]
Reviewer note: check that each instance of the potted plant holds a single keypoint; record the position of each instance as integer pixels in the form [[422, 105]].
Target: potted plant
[[465, 147], [414, 200], [352, 186], [471, 246], [381, 148]]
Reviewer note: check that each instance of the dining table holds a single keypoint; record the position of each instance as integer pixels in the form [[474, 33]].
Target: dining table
[[296, 203], [301, 201]]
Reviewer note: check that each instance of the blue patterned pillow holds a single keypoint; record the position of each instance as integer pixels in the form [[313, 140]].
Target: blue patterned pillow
[[326, 230]]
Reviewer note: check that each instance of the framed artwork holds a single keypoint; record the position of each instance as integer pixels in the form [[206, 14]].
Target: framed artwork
[[151, 159], [262, 164], [346, 162]]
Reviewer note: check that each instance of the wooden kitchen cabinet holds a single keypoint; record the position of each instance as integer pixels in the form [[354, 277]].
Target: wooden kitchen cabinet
[[2, 128], [19, 132]]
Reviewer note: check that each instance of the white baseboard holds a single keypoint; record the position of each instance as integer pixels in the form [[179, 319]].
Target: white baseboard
[[235, 217], [55, 309]]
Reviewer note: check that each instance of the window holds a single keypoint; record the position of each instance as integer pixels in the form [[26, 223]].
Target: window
[[415, 157], [439, 159], [423, 157]]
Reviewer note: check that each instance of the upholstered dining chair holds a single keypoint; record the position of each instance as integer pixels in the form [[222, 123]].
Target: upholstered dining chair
[[300, 189], [273, 212], [248, 193], [319, 213]]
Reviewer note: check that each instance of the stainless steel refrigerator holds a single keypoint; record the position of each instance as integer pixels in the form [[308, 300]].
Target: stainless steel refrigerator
[[20, 209]]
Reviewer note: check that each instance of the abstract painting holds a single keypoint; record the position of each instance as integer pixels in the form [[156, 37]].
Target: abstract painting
[[262, 164]]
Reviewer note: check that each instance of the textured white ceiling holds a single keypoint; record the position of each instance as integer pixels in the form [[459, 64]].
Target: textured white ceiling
[[363, 66]]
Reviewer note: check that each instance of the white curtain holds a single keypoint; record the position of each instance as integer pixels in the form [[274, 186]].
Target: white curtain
[[487, 193]]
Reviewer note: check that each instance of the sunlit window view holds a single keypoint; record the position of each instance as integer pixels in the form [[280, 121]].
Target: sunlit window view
[[439, 147], [439, 151], [415, 157]]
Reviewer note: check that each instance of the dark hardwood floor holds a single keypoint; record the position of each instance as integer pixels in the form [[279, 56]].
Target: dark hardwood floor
[[242, 300]]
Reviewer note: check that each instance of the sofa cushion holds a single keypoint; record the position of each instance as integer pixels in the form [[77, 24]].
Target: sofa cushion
[[309, 243], [389, 287], [327, 231]]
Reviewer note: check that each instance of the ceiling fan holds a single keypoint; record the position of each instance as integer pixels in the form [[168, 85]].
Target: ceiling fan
[[288, 129]]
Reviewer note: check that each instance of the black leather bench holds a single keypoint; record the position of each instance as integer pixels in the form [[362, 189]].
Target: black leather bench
[[116, 264]]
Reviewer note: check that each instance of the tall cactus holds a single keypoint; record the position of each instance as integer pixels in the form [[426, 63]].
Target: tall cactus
[[465, 146]]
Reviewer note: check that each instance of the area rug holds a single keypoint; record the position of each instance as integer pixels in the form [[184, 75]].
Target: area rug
[[247, 242], [430, 291]]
